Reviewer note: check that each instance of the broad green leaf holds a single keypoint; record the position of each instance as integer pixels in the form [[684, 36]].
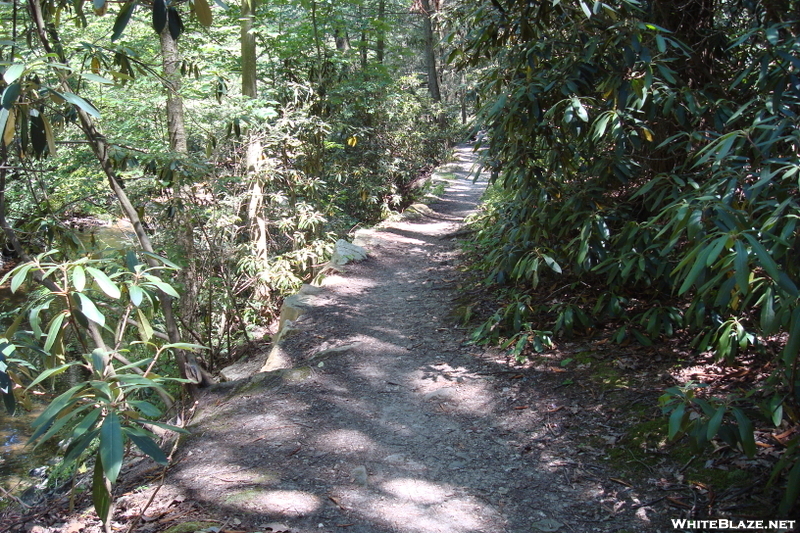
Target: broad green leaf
[[20, 276], [80, 443], [79, 278], [145, 329], [123, 18], [104, 282], [745, 432], [60, 422], [76, 100], [101, 490], [136, 294], [764, 258], [147, 408], [90, 310], [694, 273], [676, 420], [776, 410], [87, 423], [10, 95], [163, 260], [791, 351], [13, 72], [715, 422], [164, 287], [99, 358], [149, 447], [111, 446], [50, 372], [54, 330], [741, 267], [159, 15], [769, 322]]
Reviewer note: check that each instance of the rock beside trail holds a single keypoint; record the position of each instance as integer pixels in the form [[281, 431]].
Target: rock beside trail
[[346, 252]]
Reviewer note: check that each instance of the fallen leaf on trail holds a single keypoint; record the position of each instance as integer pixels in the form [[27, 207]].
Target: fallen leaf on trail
[[521, 407]]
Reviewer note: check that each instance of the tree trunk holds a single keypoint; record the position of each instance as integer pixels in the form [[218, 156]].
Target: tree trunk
[[248, 43], [175, 125], [380, 45], [430, 50]]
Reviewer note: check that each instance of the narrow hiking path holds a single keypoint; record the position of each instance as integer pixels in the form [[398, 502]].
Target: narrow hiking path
[[390, 421]]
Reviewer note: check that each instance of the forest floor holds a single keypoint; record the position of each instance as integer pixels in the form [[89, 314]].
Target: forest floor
[[392, 421]]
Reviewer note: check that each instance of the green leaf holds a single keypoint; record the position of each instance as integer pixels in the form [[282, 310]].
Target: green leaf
[[13, 72], [147, 408], [105, 283], [148, 446], [87, 423], [54, 330], [76, 100], [80, 444], [145, 329], [715, 422], [10, 95], [164, 287], [79, 278], [676, 420], [90, 310], [99, 357], [741, 267], [745, 432], [159, 15], [764, 258], [163, 260], [792, 349], [20, 276], [123, 18], [772, 35], [697, 268], [101, 490], [769, 322], [111, 446], [136, 293], [51, 372], [60, 422]]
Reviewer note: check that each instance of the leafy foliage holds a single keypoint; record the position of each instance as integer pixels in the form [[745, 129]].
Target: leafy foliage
[[645, 167]]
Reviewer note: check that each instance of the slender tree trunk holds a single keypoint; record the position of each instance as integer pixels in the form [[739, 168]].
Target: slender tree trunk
[[248, 43], [175, 124], [362, 43], [380, 45], [430, 50]]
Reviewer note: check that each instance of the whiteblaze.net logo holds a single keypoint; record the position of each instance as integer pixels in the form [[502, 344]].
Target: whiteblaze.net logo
[[734, 525]]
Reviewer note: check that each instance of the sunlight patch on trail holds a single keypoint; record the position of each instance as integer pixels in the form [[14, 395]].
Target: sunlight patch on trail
[[345, 441], [275, 502], [415, 513]]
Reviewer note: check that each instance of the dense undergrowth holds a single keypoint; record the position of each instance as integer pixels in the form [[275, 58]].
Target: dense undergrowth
[[645, 175]]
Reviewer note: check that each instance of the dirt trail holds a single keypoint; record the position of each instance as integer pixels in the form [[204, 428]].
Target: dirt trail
[[392, 422]]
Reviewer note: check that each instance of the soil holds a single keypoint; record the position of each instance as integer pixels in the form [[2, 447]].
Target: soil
[[392, 421]]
